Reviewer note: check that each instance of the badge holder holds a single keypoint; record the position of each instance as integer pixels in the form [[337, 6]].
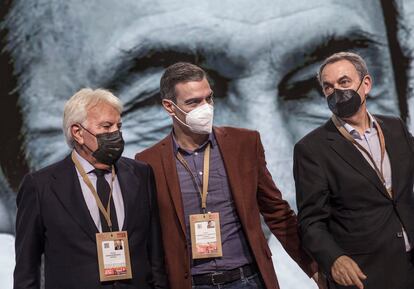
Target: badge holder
[[113, 256], [205, 236]]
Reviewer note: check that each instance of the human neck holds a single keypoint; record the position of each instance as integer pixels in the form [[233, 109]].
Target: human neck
[[360, 121], [85, 153], [187, 139]]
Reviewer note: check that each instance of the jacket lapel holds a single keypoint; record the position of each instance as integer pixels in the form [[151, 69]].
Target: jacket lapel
[[350, 154], [231, 162], [391, 146], [66, 186], [171, 178], [128, 183]]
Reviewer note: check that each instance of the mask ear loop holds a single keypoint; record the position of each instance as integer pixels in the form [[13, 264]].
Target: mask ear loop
[[360, 83], [88, 132], [365, 97], [176, 117], [86, 129]]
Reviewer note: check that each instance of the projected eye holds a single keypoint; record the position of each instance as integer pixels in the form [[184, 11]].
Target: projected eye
[[142, 101], [137, 83], [300, 84]]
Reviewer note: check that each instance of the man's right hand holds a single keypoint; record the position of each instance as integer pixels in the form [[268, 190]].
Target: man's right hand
[[346, 272]]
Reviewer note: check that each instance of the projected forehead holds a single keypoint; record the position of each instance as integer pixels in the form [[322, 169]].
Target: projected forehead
[[262, 58]]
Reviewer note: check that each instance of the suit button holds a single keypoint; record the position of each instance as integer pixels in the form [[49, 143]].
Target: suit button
[[186, 275], [399, 234]]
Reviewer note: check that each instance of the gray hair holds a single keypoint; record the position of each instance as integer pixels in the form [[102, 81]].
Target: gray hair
[[355, 59], [76, 108], [178, 73]]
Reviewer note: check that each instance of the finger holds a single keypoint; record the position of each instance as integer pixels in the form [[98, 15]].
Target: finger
[[338, 278], [358, 271], [347, 280], [353, 275]]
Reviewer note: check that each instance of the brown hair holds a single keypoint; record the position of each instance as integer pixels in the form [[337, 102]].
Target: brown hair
[[177, 73]]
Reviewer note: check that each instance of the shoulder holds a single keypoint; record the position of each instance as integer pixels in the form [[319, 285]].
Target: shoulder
[[316, 135], [48, 171], [315, 144], [153, 151], [389, 120], [136, 165], [42, 178], [244, 139], [392, 125], [235, 132]]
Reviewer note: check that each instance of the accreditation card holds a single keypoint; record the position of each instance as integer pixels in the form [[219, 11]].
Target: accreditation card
[[113, 256], [205, 235]]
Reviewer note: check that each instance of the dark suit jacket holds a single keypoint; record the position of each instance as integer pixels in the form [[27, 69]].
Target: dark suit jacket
[[345, 210], [254, 193], [53, 218]]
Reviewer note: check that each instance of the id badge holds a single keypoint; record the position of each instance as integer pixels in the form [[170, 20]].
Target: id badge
[[113, 256], [205, 236]]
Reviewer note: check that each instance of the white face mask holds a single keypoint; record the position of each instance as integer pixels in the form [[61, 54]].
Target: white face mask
[[199, 120]]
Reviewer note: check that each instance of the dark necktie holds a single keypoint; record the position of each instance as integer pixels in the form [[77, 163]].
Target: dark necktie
[[103, 189]]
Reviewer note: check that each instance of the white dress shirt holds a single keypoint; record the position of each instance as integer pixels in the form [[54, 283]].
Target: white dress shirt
[[90, 199]]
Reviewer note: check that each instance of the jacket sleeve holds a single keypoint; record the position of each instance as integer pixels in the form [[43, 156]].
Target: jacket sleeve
[[312, 197], [155, 245], [408, 135], [278, 215], [29, 242]]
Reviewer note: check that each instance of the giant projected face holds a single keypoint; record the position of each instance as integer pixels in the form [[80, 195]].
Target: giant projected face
[[262, 57]]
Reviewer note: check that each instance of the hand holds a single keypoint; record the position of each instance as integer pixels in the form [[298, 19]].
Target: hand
[[320, 280], [346, 272]]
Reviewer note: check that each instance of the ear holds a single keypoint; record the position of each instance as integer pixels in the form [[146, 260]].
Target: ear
[[367, 84], [168, 106], [77, 133]]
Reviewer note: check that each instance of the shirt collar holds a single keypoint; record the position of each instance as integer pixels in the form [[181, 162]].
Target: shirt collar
[[176, 147], [353, 132], [84, 163]]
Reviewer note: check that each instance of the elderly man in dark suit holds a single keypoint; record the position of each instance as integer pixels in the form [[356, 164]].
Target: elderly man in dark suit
[[354, 183], [65, 208]]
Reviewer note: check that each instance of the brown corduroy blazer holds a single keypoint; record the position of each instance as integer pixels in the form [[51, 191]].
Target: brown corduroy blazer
[[254, 193]]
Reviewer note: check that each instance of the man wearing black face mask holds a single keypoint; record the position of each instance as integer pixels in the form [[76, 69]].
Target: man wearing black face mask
[[76, 211], [354, 186]]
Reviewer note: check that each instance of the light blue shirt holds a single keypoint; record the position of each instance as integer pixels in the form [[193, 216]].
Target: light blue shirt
[[370, 141], [90, 199]]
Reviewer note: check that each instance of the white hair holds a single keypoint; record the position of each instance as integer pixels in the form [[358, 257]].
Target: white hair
[[76, 108]]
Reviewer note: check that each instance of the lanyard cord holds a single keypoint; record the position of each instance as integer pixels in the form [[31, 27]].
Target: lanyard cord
[[347, 135], [106, 212], [206, 168]]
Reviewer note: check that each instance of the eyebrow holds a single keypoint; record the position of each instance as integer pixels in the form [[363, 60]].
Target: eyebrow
[[343, 78], [129, 62], [142, 60], [151, 56], [198, 98], [351, 39]]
